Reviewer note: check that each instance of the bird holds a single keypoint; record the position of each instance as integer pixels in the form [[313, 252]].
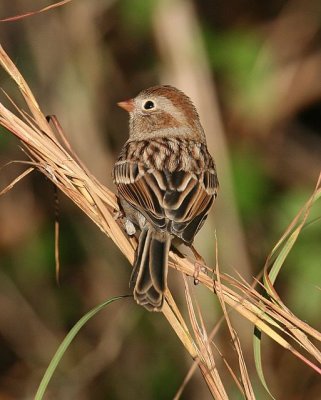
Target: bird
[[166, 181]]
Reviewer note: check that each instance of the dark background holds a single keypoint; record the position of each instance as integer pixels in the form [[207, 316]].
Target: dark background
[[253, 70]]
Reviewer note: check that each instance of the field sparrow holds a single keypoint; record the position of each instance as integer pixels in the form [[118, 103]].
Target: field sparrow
[[166, 181]]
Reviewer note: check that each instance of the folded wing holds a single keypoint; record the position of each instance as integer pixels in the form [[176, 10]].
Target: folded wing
[[177, 202]]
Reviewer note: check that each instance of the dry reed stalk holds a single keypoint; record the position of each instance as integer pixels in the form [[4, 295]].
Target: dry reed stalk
[[184, 64], [211, 375], [32, 13], [53, 156]]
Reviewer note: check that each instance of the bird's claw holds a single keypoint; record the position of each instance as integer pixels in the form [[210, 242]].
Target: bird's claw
[[118, 214], [198, 267]]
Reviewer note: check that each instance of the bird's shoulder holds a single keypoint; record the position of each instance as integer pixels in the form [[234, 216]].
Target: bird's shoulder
[[170, 154]]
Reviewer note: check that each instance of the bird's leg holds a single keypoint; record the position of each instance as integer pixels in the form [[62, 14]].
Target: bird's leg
[[199, 264], [127, 223], [118, 214]]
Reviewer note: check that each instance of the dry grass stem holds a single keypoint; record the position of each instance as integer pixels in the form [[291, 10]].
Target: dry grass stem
[[205, 356], [31, 13], [51, 154], [247, 386]]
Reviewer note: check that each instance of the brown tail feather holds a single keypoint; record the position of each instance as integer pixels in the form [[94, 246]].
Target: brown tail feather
[[150, 269]]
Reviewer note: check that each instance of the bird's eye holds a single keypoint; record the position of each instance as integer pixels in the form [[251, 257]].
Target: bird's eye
[[149, 105]]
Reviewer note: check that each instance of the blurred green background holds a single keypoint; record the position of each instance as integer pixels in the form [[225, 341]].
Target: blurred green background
[[253, 71]]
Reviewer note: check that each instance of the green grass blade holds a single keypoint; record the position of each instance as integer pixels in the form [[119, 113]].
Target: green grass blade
[[284, 246], [281, 251], [258, 358], [287, 247], [66, 342]]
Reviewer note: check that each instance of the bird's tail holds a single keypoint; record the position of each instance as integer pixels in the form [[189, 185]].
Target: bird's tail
[[150, 269]]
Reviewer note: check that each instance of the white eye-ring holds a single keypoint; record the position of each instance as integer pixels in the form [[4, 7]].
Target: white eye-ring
[[149, 105]]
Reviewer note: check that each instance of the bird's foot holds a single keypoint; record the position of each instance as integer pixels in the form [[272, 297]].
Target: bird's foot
[[199, 265]]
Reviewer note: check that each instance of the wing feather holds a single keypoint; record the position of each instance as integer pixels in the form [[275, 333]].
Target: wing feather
[[174, 200]]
